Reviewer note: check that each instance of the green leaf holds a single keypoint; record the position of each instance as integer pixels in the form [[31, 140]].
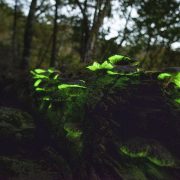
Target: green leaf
[[117, 58], [94, 67], [37, 82], [65, 86], [106, 65], [33, 73], [40, 89], [46, 98], [177, 100], [39, 71], [40, 76], [51, 70], [72, 131], [176, 80], [164, 75], [112, 73], [56, 76]]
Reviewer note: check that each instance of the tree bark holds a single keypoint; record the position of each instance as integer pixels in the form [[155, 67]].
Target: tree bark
[[97, 23], [54, 36], [125, 31], [28, 35], [14, 33]]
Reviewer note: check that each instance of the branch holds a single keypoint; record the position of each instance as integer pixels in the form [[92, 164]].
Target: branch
[[125, 28]]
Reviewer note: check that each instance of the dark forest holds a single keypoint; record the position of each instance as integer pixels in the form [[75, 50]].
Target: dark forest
[[90, 90]]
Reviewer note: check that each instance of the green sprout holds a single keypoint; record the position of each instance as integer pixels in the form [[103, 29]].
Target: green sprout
[[96, 66]]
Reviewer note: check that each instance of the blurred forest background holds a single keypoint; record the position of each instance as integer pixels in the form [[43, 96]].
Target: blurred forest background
[[97, 113], [69, 34]]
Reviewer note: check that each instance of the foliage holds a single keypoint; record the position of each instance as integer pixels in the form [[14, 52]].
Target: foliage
[[61, 101], [118, 58], [82, 114], [96, 66], [171, 78], [110, 65], [150, 150], [51, 88]]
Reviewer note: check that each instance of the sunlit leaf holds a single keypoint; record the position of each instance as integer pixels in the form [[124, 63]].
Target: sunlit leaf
[[56, 76], [177, 80], [50, 106], [164, 75], [177, 100], [32, 72], [94, 67], [40, 76], [37, 82], [46, 98], [112, 73], [40, 89], [106, 65], [39, 71], [51, 70], [118, 58]]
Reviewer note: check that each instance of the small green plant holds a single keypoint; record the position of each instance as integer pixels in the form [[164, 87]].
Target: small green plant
[[61, 101], [110, 65], [51, 89], [104, 66], [171, 78], [119, 58]]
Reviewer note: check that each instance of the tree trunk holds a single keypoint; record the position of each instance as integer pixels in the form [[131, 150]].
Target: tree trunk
[[54, 36], [14, 33], [98, 21], [28, 35]]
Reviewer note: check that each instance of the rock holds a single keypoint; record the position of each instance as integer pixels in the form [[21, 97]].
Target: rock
[[24, 169], [15, 125]]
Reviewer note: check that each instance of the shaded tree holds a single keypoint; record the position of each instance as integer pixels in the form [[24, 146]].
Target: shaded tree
[[14, 29], [157, 25], [54, 35], [90, 29], [28, 35]]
